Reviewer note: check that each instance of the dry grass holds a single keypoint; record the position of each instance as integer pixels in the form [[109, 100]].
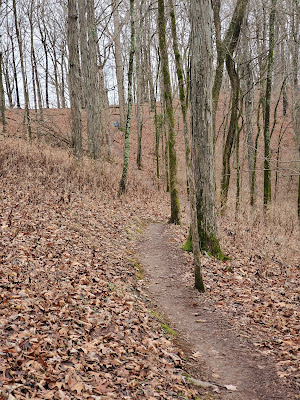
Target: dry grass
[[264, 246]]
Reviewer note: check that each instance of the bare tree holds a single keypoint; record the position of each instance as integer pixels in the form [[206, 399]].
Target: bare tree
[[123, 181], [74, 78], [24, 77], [201, 125], [167, 95]]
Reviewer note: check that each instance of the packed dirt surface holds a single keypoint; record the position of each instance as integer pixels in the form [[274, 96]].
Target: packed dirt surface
[[216, 349]]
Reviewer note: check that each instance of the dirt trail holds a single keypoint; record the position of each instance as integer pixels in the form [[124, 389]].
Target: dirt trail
[[223, 356]]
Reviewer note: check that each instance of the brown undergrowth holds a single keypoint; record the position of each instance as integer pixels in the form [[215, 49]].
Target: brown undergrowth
[[66, 239], [72, 317]]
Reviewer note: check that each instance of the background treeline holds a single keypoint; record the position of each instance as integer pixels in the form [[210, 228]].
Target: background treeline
[[92, 54]]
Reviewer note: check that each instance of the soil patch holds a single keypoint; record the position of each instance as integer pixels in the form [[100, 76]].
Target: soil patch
[[214, 345]]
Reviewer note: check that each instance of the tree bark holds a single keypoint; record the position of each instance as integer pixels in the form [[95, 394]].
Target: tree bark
[[227, 46], [270, 62], [188, 159], [119, 61], [201, 125], [74, 79], [139, 85], [2, 97], [248, 93], [227, 150], [175, 207], [25, 88], [123, 182], [93, 108]]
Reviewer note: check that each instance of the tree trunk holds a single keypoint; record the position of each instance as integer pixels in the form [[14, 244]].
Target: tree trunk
[[227, 46], [44, 42], [8, 85], [36, 81], [188, 159], [62, 76], [2, 97], [93, 106], [15, 72], [82, 7], [175, 207], [270, 62], [139, 86], [123, 182], [74, 79], [119, 61], [25, 88], [201, 125], [247, 85], [295, 87], [227, 150]]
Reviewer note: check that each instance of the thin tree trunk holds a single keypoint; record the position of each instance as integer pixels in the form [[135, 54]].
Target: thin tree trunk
[[44, 42], [188, 156], [295, 87], [123, 182], [105, 109], [227, 150], [175, 207], [248, 92], [119, 62], [82, 6], [36, 81], [227, 46], [25, 88], [62, 76], [56, 77], [93, 109], [270, 61], [139, 86], [9, 87], [15, 73], [74, 79], [2, 97]]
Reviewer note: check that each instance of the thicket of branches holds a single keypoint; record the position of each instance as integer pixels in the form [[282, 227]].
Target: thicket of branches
[[256, 86]]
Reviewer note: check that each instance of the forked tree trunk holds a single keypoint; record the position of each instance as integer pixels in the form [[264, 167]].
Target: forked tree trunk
[[227, 46], [175, 207]]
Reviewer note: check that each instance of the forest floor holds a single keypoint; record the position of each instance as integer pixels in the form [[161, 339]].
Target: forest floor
[[216, 347], [93, 286]]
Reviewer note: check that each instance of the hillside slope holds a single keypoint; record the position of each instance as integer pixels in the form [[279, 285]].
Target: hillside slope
[[73, 321]]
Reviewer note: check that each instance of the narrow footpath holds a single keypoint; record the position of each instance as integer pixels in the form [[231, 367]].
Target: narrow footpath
[[217, 351]]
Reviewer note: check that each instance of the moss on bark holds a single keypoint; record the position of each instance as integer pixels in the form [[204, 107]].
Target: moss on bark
[[208, 244]]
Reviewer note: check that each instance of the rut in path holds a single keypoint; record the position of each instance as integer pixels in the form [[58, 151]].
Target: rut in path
[[224, 357]]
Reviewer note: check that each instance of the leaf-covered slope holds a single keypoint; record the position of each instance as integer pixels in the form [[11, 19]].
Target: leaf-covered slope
[[72, 321]]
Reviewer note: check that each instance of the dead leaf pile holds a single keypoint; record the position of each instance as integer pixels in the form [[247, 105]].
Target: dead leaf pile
[[259, 295], [73, 323]]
